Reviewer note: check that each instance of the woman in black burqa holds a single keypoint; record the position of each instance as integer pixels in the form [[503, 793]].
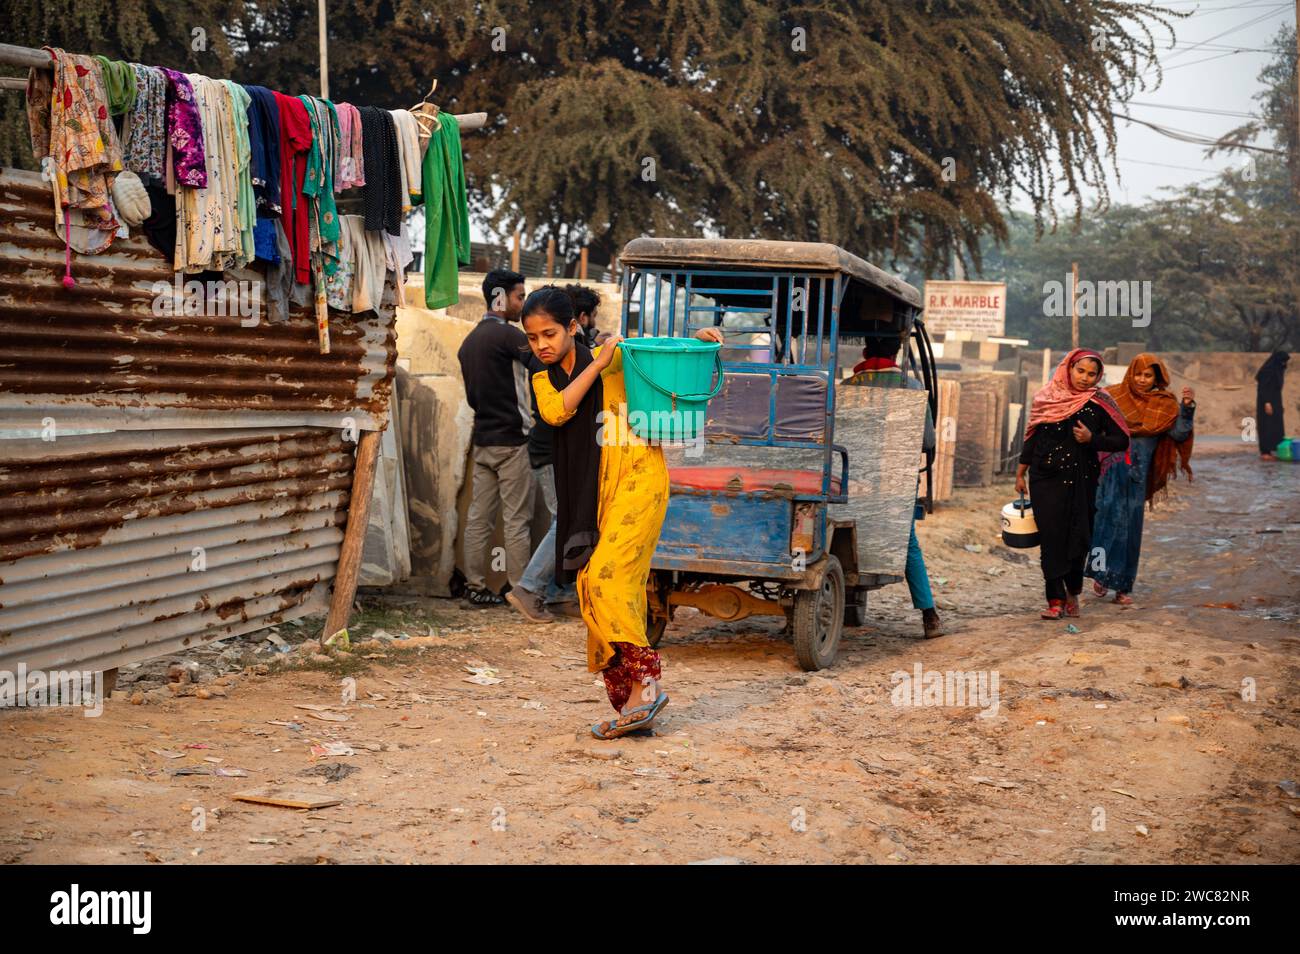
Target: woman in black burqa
[[1268, 403]]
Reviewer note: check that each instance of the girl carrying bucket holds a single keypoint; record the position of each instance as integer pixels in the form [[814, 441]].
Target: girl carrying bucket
[[611, 493], [1076, 431]]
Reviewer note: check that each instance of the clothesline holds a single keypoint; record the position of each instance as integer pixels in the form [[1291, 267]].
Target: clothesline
[[219, 174]]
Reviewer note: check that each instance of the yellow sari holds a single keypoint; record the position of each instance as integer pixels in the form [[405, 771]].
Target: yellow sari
[[630, 514]]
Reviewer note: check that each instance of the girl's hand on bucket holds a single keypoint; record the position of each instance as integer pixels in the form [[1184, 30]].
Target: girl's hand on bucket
[[606, 355], [710, 334]]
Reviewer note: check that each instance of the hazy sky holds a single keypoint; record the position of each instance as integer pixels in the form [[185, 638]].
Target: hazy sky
[[1212, 66], [1206, 77]]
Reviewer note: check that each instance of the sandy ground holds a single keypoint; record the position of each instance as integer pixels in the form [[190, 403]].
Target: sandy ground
[[1127, 741]]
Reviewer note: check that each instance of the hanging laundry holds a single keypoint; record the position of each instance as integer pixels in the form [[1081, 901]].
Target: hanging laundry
[[68, 116], [352, 167], [207, 218], [264, 140], [264, 144], [184, 131], [245, 200], [279, 276], [369, 265], [382, 198], [119, 84], [318, 183], [446, 215], [408, 148], [160, 227], [338, 285], [145, 127], [295, 142]]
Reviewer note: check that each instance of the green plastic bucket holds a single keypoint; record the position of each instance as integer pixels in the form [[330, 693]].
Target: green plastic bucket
[[670, 382], [1287, 449]]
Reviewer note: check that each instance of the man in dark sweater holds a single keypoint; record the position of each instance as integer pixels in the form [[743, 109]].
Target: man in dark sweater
[[497, 387]]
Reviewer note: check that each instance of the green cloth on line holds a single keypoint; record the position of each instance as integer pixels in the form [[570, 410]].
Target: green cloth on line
[[446, 214], [119, 84]]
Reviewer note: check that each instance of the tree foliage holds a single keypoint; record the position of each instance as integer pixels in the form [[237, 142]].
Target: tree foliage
[[814, 120], [1223, 257]]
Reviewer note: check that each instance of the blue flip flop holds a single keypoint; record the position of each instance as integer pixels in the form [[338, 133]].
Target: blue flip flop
[[652, 709]]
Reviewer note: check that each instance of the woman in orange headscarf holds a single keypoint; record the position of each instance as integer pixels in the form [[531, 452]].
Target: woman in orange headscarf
[[1161, 429]]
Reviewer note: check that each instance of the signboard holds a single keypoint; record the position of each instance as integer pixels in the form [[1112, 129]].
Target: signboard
[[976, 309]]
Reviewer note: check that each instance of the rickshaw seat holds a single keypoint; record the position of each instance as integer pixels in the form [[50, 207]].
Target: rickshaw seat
[[750, 479]]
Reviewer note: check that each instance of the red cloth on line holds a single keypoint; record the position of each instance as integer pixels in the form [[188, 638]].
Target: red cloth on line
[[295, 143]]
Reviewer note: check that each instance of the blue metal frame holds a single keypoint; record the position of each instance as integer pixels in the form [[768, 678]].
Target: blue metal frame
[[636, 284]]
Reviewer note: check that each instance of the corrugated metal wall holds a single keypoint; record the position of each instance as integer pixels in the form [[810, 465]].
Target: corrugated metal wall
[[211, 498], [98, 355]]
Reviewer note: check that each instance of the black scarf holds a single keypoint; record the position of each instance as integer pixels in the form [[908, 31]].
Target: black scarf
[[382, 194], [577, 473]]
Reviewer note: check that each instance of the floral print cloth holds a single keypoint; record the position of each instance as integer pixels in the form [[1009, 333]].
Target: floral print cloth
[[184, 131], [145, 128], [67, 112], [631, 667], [352, 167]]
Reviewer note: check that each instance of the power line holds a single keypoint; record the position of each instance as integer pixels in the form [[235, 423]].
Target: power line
[[1194, 109], [1259, 19], [1166, 165], [1184, 135]]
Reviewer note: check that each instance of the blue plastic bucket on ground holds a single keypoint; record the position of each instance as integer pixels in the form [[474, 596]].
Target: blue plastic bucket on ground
[[1287, 449], [670, 382]]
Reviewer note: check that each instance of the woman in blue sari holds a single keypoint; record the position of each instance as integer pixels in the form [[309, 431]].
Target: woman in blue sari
[[1160, 442]]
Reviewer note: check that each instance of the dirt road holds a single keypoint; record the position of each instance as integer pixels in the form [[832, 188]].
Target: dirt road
[[1127, 741]]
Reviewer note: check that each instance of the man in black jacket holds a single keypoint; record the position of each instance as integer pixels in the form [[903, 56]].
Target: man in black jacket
[[497, 387]]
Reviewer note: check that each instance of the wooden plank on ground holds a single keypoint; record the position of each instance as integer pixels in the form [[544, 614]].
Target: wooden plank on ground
[[283, 799]]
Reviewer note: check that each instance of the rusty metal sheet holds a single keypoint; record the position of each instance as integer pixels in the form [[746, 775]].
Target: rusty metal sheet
[[122, 546], [97, 354]]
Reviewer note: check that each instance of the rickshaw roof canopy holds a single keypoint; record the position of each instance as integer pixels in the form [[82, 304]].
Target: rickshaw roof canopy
[[766, 254]]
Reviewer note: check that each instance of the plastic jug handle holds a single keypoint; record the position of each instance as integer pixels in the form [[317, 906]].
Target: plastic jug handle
[[1022, 504]]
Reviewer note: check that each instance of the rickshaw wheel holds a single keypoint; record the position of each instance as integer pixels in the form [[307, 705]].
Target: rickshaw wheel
[[818, 619], [855, 607], [654, 630], [656, 626]]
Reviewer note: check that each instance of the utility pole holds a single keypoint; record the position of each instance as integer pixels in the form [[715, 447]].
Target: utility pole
[[1074, 302], [324, 53]]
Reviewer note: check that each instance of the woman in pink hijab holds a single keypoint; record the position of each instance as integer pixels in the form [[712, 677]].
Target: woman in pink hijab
[[1075, 431]]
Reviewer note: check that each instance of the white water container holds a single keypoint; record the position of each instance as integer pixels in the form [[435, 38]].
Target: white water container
[[1019, 529]]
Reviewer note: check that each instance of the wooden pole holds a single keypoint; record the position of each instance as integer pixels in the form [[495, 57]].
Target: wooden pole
[[1074, 300], [582, 264], [550, 257], [324, 52], [1047, 364], [514, 254], [354, 536], [613, 269]]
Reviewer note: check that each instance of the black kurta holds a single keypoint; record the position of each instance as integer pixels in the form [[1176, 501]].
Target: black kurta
[[1268, 390], [1063, 478]]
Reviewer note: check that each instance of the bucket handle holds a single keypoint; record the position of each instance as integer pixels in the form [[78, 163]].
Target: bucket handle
[[629, 358], [1022, 505]]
